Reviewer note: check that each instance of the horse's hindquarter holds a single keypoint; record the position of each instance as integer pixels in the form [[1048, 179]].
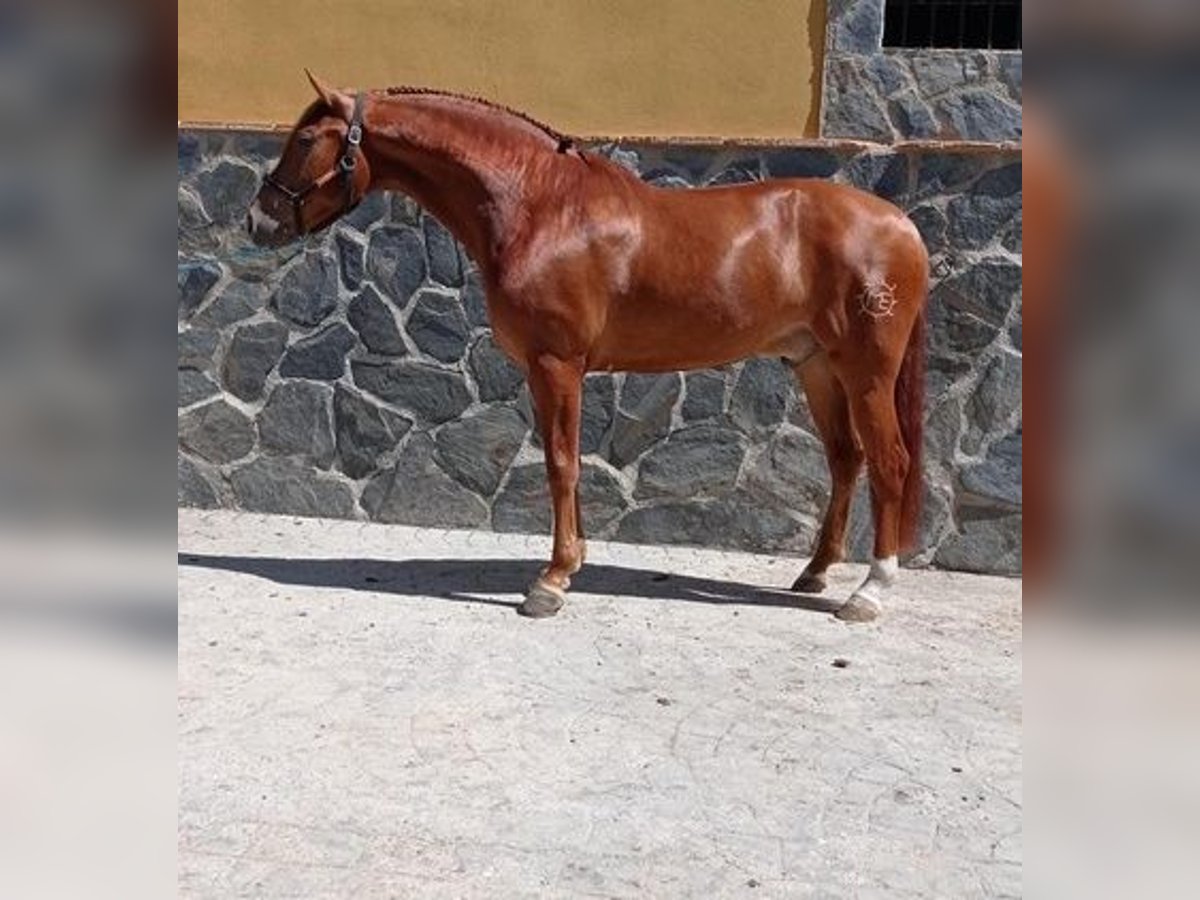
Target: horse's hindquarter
[[722, 274]]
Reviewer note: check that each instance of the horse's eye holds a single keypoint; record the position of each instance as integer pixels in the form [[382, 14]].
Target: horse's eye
[[305, 141]]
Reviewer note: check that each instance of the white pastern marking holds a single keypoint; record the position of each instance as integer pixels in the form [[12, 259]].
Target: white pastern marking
[[881, 577]]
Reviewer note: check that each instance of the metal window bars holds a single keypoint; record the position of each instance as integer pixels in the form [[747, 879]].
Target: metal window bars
[[953, 24]]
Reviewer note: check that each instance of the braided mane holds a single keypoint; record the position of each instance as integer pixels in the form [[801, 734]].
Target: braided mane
[[564, 141]]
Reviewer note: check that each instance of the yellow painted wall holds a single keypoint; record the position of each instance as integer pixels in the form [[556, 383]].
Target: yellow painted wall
[[662, 68]]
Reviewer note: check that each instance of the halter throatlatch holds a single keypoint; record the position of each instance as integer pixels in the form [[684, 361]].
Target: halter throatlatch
[[344, 169]]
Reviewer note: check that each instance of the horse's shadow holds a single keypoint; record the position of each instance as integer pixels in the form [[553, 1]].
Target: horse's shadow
[[481, 580]]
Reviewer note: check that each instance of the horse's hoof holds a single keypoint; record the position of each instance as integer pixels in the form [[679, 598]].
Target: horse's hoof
[[809, 583], [542, 601], [859, 609]]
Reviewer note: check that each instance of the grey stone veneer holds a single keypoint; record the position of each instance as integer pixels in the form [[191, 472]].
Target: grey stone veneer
[[878, 94], [355, 375]]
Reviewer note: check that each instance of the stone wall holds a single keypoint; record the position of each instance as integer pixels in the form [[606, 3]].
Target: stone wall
[[887, 95], [355, 375]]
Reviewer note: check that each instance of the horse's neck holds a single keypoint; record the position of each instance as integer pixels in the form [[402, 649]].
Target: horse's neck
[[462, 165]]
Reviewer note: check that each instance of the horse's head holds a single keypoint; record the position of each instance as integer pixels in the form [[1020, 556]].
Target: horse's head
[[321, 176]]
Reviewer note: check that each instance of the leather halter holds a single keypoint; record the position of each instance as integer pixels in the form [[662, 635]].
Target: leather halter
[[344, 169]]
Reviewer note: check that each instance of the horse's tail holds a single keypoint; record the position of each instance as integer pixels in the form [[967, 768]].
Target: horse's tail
[[910, 410]]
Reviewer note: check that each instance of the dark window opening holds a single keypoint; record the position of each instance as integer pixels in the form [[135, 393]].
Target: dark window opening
[[953, 24]]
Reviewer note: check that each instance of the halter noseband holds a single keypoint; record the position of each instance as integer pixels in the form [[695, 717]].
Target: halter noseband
[[344, 169]]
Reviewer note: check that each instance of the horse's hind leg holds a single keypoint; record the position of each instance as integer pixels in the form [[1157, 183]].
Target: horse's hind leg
[[831, 413], [873, 413], [557, 387]]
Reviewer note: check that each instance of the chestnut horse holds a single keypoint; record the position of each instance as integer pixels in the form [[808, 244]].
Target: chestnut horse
[[587, 268]]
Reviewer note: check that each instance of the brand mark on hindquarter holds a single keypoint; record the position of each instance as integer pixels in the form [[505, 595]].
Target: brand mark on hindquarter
[[878, 300]]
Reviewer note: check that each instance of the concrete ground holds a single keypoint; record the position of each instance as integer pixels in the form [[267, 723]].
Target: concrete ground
[[362, 714]]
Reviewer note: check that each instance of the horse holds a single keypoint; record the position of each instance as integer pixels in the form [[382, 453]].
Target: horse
[[587, 268]]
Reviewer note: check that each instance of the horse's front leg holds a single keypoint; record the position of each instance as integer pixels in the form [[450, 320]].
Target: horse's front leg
[[556, 385]]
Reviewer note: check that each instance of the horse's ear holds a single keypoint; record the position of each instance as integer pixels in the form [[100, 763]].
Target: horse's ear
[[339, 102]]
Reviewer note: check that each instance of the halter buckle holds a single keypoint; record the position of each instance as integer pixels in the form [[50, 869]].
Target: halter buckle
[[354, 135]]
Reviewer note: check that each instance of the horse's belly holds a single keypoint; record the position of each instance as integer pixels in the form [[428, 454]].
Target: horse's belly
[[666, 333]]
